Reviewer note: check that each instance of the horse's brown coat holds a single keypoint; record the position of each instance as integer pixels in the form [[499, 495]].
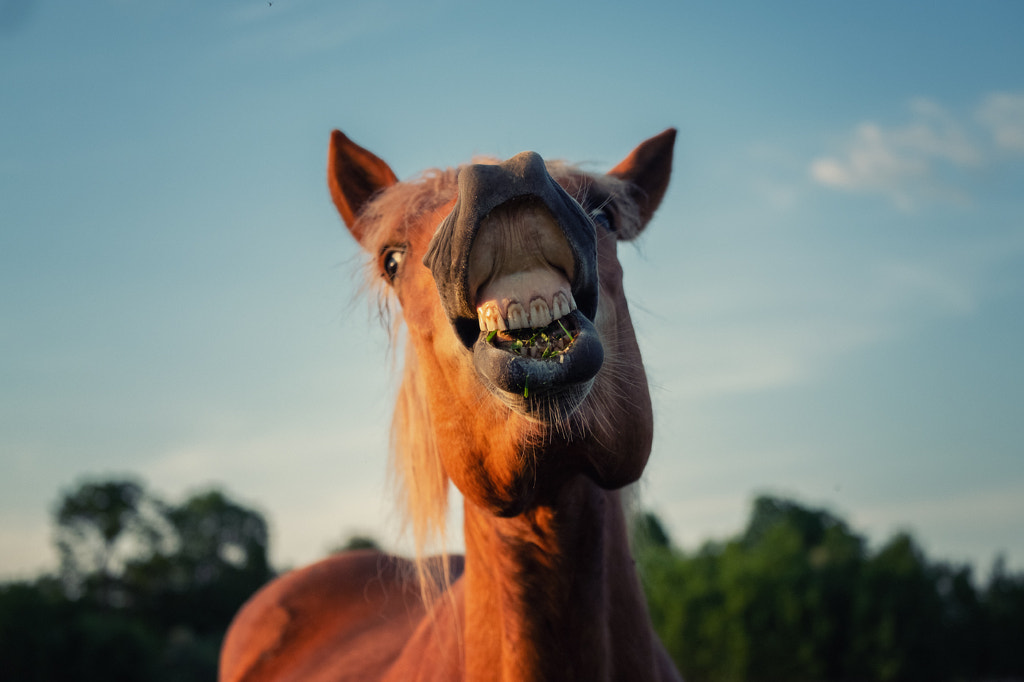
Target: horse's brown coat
[[548, 590]]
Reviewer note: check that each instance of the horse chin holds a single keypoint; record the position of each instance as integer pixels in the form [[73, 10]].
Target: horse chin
[[543, 389]]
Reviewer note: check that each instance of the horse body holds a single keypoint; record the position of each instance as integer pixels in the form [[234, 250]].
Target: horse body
[[524, 387]]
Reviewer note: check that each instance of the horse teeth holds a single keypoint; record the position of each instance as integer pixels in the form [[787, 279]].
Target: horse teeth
[[560, 305], [517, 317], [540, 314], [489, 317]]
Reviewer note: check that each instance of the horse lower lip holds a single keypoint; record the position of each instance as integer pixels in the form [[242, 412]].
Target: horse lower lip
[[504, 370]]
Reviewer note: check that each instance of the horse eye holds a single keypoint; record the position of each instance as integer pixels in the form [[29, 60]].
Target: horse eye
[[392, 259], [601, 218]]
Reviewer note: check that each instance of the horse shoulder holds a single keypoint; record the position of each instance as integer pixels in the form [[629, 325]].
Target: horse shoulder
[[346, 617]]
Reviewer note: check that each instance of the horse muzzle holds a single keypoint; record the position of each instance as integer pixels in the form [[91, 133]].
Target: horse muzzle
[[515, 265]]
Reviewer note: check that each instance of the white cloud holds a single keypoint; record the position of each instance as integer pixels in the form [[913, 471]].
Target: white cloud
[[1002, 113], [903, 163], [871, 165], [925, 159]]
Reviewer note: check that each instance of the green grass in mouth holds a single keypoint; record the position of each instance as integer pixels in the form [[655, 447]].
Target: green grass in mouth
[[545, 343]]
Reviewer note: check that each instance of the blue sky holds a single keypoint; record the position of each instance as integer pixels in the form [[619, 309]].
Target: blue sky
[[829, 301]]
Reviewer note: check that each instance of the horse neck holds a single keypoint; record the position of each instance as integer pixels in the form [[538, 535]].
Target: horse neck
[[552, 594]]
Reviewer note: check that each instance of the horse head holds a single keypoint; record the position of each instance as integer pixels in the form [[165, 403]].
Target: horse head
[[524, 368]]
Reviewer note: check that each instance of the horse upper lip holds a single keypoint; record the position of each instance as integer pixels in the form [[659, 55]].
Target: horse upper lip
[[482, 188]]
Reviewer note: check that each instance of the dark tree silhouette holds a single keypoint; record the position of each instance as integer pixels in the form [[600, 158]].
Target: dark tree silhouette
[[102, 526], [146, 589], [797, 597]]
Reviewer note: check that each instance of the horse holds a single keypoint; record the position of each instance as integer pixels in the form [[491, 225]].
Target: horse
[[524, 387]]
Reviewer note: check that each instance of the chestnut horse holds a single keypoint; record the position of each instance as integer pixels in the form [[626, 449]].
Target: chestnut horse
[[523, 386]]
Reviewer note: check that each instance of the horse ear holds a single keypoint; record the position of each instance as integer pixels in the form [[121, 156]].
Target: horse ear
[[647, 170], [354, 175]]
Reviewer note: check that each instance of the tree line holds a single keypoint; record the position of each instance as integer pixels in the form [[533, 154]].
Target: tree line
[[798, 596], [146, 590]]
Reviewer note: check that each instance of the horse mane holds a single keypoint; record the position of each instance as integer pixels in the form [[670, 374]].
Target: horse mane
[[417, 473]]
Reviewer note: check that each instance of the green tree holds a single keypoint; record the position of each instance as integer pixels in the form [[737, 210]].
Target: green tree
[[898, 616], [787, 580], [147, 589], [648, 532], [775, 603], [356, 542], [46, 636], [216, 559], [218, 537], [102, 526], [1003, 608]]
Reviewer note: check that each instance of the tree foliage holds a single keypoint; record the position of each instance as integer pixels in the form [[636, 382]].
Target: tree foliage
[[799, 596], [146, 589], [100, 526]]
